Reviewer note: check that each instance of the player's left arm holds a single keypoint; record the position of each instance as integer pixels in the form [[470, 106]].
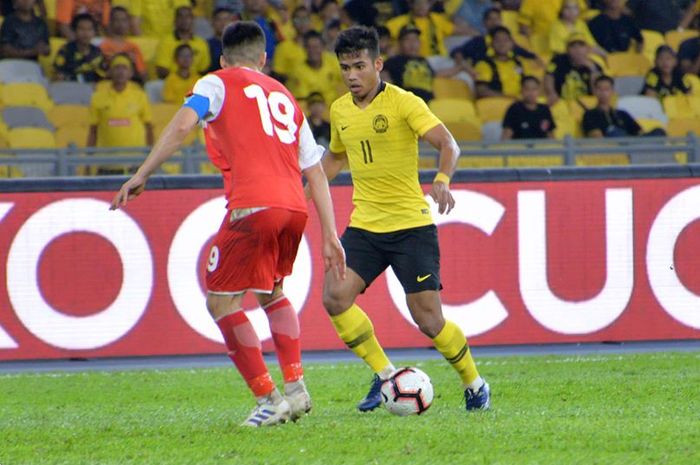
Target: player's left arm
[[440, 138], [167, 144]]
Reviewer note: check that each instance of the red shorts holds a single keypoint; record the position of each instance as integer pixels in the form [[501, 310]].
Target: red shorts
[[254, 252]]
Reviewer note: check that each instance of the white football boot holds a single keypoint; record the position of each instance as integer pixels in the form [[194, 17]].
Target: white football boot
[[272, 409], [298, 398]]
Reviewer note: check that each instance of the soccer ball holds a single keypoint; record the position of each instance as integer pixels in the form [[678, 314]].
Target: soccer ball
[[408, 391]]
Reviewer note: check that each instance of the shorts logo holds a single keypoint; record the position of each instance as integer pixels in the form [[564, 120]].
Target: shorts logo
[[213, 259], [420, 279], [380, 124]]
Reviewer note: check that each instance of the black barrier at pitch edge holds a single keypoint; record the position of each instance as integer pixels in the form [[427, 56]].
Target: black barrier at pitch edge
[[112, 183]]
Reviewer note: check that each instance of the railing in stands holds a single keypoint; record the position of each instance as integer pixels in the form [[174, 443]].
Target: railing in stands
[[75, 161]]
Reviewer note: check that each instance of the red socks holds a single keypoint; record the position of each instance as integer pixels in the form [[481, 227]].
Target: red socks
[[284, 325], [244, 350]]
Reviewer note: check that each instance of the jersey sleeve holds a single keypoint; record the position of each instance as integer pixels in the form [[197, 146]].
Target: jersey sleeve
[[207, 97], [417, 114], [336, 145], [310, 152]]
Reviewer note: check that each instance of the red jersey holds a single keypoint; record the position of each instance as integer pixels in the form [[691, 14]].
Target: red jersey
[[253, 135]]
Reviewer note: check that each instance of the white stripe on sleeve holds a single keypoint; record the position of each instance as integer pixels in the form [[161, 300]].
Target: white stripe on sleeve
[[310, 152], [212, 87]]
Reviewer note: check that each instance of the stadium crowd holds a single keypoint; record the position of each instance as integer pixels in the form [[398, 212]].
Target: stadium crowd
[[111, 73]]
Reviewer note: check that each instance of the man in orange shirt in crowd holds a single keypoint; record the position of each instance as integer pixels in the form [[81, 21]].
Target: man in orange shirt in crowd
[[116, 43], [67, 9]]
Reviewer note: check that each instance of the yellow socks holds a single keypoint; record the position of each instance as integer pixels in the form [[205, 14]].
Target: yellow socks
[[454, 347], [356, 330]]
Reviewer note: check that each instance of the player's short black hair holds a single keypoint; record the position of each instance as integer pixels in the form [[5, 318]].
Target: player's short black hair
[[604, 78], [353, 40], [529, 78], [242, 41], [502, 29], [77, 19], [312, 35]]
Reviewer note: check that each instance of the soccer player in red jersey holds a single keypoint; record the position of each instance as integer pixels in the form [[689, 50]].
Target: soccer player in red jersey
[[258, 137]]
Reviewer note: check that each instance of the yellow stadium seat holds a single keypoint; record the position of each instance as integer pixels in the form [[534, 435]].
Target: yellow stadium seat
[[465, 130], [628, 64], [451, 88], [680, 127], [650, 124], [427, 162], [675, 38], [543, 161], [163, 112], [75, 135], [31, 138], [470, 161], [567, 125], [694, 82], [652, 41], [493, 108], [69, 115], [26, 94], [681, 106], [453, 110], [9, 171], [602, 159]]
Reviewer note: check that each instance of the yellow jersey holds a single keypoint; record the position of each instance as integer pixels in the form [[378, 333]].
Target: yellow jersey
[[165, 53], [120, 116], [175, 87], [381, 143]]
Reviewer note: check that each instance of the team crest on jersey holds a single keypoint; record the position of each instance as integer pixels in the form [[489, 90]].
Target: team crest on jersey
[[380, 124]]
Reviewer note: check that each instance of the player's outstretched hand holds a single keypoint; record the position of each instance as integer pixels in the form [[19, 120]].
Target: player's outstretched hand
[[334, 256], [129, 190], [440, 192]]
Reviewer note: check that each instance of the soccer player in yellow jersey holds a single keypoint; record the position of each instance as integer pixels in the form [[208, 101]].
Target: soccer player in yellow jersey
[[375, 129]]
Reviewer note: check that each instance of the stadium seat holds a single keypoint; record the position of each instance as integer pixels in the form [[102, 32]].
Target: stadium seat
[[650, 124], [21, 138], [427, 162], [75, 135], [465, 130], [491, 132], [69, 115], [628, 64], [451, 88], [602, 159], [26, 117], [12, 70], [493, 108], [539, 161], [641, 107], [453, 110], [9, 171], [471, 161], [629, 85], [162, 114], [154, 90], [680, 127], [26, 94], [652, 41], [69, 92], [675, 38], [682, 106]]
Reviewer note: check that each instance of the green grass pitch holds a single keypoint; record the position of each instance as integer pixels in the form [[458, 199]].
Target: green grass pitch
[[612, 409]]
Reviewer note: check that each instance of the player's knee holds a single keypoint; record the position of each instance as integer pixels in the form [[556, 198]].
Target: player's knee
[[430, 323], [335, 302]]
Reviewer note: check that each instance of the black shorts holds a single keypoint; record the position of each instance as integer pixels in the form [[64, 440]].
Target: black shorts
[[413, 254]]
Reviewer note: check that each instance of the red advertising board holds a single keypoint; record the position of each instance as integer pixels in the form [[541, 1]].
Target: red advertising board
[[522, 262]]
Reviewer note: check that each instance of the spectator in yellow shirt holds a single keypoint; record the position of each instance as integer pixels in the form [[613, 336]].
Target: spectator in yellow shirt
[[184, 34], [151, 17], [179, 83], [319, 73], [120, 115], [290, 52], [434, 27], [500, 73], [569, 22], [536, 16]]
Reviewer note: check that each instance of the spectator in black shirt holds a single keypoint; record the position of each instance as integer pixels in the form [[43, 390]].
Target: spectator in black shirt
[[666, 78], [408, 69], [604, 120], [476, 48], [571, 75], [221, 18], [613, 30], [23, 34], [689, 55], [79, 60], [526, 118], [320, 127], [659, 15]]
